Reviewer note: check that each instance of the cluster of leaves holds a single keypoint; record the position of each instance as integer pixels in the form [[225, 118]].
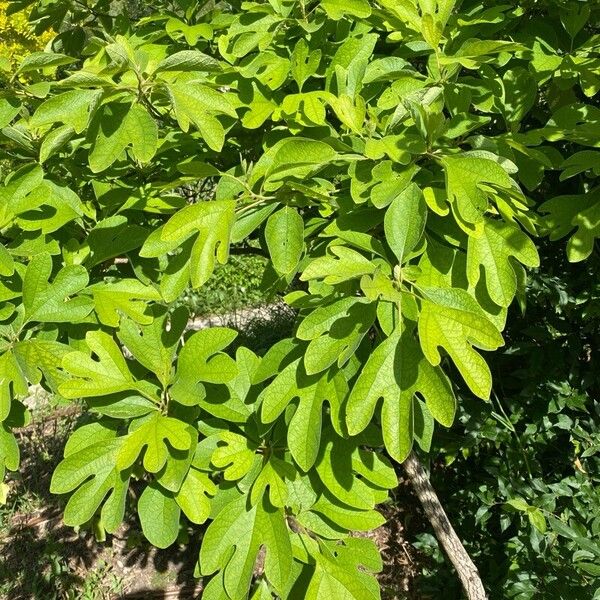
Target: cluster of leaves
[[389, 156], [523, 473]]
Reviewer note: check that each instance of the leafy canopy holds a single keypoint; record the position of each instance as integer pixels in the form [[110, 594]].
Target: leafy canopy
[[392, 160]]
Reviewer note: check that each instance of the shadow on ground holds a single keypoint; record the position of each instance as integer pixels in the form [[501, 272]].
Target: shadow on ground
[[41, 558]]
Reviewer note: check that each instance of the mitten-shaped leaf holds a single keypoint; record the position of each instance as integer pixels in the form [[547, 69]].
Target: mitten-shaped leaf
[[47, 302], [125, 297], [117, 127], [452, 319], [212, 222], [202, 360], [469, 182], [89, 467]]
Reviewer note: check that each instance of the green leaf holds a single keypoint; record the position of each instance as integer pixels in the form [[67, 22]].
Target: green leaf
[[475, 52], [159, 516], [197, 104], [396, 371], [304, 63], [107, 375], [537, 519], [345, 264], [194, 496], [273, 477], [43, 60], [452, 319], [153, 433], [234, 454], [54, 141], [304, 433], [155, 345], [47, 302], [331, 519], [469, 180], [9, 109], [291, 158], [336, 9], [580, 162], [13, 382], [492, 252], [405, 221], [284, 234], [117, 127], [7, 264], [10, 456], [38, 357], [212, 222], [202, 360], [564, 213], [341, 573], [89, 466], [71, 108], [113, 237], [188, 60], [340, 462], [232, 542], [335, 331], [125, 297]]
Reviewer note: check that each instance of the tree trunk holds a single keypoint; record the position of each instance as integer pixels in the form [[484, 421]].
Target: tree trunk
[[467, 571]]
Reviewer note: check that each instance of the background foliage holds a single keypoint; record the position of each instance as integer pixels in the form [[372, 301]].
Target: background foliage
[[17, 37]]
